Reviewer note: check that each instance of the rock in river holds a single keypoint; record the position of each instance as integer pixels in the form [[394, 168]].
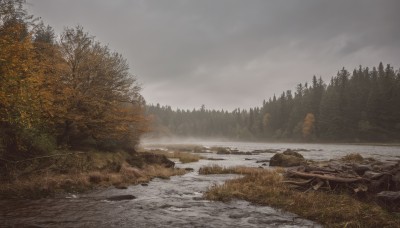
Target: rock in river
[[121, 197], [288, 158]]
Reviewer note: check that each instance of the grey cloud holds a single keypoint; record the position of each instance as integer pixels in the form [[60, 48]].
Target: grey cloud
[[231, 53]]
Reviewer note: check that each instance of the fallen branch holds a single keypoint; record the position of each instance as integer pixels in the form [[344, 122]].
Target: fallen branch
[[318, 185], [326, 177], [298, 183]]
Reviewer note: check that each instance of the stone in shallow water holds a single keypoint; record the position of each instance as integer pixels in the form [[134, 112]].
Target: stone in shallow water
[[120, 186], [262, 161], [239, 215], [121, 197], [288, 158]]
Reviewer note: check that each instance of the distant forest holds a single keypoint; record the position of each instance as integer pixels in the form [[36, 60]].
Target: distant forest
[[359, 106]]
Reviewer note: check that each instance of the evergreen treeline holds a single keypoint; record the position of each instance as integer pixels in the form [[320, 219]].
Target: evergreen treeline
[[71, 92], [360, 106]]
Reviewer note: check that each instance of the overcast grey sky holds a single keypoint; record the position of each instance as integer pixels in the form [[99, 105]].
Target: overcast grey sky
[[231, 53]]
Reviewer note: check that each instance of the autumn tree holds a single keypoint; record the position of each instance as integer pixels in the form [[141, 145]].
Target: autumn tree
[[308, 125], [103, 100], [20, 78], [266, 120], [73, 89]]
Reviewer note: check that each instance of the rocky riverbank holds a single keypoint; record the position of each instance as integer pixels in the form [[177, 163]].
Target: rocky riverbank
[[362, 177], [349, 192], [74, 171]]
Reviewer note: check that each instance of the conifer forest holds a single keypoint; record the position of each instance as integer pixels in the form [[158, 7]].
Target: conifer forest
[[362, 105]]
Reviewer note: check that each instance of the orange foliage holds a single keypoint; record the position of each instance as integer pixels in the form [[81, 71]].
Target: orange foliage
[[308, 125], [103, 99], [19, 76], [75, 88]]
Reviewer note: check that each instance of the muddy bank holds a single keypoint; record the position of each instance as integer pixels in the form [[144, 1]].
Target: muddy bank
[[74, 172]]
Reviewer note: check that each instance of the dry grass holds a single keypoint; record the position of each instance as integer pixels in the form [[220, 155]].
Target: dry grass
[[215, 169], [184, 157], [162, 172], [50, 184], [333, 210], [77, 173]]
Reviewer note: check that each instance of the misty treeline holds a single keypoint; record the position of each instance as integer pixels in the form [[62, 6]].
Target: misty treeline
[[68, 92], [360, 106]]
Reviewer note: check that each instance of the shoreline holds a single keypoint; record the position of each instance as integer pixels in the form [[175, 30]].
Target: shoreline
[[267, 187], [199, 142], [83, 171]]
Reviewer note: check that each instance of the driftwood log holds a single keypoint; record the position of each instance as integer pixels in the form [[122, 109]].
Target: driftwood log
[[361, 176], [379, 180], [325, 177]]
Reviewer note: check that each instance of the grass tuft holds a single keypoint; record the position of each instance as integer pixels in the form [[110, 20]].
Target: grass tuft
[[184, 157]]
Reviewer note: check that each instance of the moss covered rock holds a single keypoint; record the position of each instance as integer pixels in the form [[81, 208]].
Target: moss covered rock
[[288, 158]]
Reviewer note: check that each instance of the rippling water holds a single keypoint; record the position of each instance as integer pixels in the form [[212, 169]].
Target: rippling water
[[176, 202]]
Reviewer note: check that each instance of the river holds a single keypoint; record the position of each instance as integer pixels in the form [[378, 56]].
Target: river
[[177, 202]]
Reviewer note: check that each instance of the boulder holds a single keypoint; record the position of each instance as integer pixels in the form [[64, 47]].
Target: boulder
[[262, 161], [293, 153], [361, 169], [121, 197], [223, 150], [120, 186], [288, 158]]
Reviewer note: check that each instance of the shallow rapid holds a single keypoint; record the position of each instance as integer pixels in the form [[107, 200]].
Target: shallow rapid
[[176, 202]]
